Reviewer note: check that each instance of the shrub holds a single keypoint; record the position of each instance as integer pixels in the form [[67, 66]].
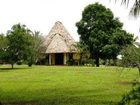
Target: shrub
[[133, 97], [89, 62], [19, 63], [70, 62]]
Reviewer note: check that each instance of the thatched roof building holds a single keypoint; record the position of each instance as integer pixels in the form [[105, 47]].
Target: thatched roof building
[[59, 40], [60, 45]]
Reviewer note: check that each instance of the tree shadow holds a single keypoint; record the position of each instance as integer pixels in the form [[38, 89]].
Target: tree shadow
[[10, 69], [63, 97], [127, 83]]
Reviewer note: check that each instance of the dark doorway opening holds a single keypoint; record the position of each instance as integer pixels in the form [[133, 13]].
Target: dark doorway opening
[[59, 57]]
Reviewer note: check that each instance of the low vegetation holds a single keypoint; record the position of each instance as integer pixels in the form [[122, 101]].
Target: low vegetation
[[51, 85]]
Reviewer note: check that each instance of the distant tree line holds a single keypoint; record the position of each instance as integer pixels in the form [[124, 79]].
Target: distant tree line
[[101, 38], [20, 44]]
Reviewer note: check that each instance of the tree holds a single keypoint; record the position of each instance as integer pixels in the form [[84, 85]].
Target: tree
[[18, 44], [96, 28], [3, 46], [37, 46], [132, 97], [131, 56], [120, 39]]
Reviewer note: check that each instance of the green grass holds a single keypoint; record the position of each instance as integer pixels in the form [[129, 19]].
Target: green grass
[[62, 85]]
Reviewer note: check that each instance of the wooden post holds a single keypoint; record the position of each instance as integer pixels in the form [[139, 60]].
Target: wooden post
[[65, 58], [50, 59]]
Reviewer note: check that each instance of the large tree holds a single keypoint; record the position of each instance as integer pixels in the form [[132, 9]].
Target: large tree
[[96, 29], [18, 44]]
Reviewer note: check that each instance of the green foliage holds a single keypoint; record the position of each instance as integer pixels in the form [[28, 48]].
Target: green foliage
[[19, 62], [132, 97], [3, 41], [131, 56], [3, 47], [89, 62], [101, 32], [70, 62], [21, 44], [120, 39], [18, 44], [37, 46], [83, 52]]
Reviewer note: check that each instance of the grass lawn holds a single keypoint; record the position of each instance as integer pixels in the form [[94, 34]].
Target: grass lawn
[[63, 85]]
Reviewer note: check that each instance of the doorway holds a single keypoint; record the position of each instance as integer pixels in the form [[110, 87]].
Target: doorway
[[59, 59]]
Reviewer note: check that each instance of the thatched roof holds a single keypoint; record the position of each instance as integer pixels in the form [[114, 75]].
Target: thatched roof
[[59, 40]]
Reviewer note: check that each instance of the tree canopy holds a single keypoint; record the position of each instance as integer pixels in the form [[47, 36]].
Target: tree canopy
[[18, 43], [97, 30]]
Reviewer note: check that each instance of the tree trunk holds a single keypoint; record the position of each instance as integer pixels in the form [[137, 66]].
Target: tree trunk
[[109, 62], [12, 65], [97, 59], [97, 62]]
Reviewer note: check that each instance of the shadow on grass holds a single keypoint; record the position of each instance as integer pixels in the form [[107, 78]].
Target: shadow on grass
[[63, 101], [61, 97], [10, 69], [127, 83]]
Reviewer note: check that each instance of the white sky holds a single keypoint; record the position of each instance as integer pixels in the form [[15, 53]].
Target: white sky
[[40, 15]]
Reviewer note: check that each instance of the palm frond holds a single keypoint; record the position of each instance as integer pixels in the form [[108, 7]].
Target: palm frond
[[126, 2], [135, 10]]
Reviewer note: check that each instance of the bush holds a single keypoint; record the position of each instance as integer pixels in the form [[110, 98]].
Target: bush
[[70, 62], [19, 63], [89, 62], [119, 63], [133, 97], [30, 63]]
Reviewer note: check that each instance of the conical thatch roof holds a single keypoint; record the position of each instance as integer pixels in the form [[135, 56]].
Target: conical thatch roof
[[59, 40]]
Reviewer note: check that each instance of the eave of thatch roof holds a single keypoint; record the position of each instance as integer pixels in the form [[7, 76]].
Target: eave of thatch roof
[[59, 40]]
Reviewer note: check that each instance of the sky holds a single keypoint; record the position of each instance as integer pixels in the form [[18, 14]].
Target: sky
[[40, 15]]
